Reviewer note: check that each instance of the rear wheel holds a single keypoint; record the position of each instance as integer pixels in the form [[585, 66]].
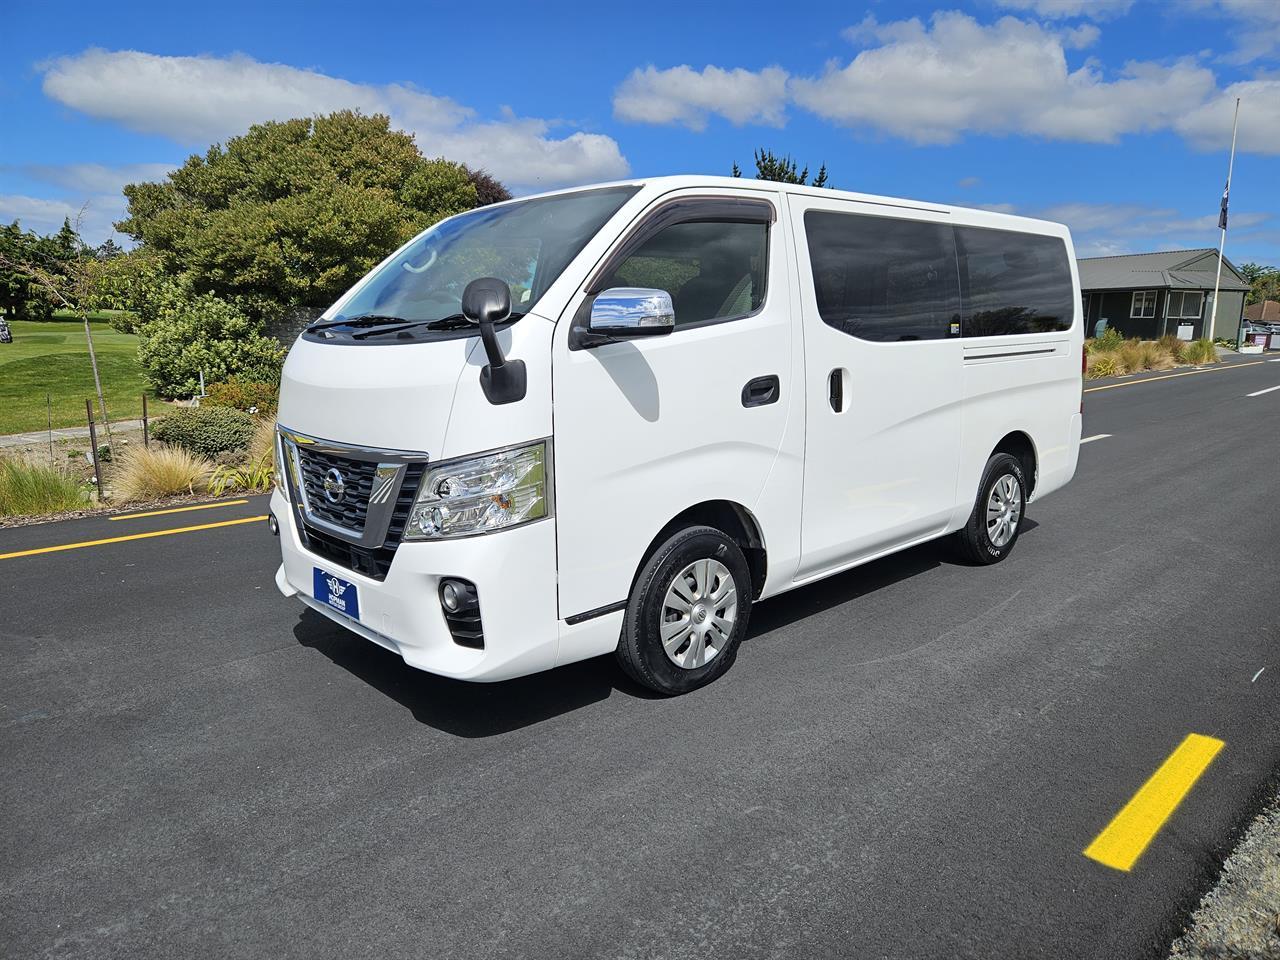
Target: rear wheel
[[997, 516], [687, 612]]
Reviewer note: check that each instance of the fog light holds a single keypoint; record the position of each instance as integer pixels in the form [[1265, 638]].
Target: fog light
[[461, 604]]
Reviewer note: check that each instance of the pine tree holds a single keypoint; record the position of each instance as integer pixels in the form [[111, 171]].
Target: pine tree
[[782, 169]]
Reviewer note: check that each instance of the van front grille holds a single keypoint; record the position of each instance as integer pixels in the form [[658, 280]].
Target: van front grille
[[376, 562], [357, 478]]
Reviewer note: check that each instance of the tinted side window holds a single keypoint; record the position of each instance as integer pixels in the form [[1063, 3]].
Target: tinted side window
[[714, 270], [883, 279], [1013, 282]]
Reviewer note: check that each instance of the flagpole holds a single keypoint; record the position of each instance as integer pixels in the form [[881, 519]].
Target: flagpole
[[1222, 223]]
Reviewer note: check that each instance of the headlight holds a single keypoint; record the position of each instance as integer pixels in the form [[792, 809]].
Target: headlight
[[277, 448], [481, 494]]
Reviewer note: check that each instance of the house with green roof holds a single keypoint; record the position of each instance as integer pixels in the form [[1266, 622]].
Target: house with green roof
[[1148, 295]]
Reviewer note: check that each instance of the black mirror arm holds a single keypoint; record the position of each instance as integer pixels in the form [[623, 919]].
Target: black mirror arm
[[492, 349]]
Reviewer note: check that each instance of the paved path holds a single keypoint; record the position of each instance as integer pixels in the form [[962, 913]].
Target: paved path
[[68, 433], [906, 761]]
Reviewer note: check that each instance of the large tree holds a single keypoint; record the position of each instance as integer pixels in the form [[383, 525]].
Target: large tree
[[1264, 282], [292, 213], [22, 252]]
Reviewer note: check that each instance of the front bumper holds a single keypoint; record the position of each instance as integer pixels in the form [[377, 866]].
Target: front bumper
[[514, 574]]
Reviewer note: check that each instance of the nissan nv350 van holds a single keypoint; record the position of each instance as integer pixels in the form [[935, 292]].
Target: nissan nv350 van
[[611, 419]]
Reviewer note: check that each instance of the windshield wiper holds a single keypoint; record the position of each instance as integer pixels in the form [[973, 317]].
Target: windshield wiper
[[364, 320], [455, 321]]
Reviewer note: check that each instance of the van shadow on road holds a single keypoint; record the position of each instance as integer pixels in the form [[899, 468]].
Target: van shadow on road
[[476, 710]]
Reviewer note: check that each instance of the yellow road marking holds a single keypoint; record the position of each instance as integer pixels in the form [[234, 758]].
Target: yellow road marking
[[1123, 839], [132, 536], [157, 513], [1174, 376]]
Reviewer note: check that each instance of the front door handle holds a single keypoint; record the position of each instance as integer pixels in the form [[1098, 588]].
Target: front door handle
[[761, 391], [835, 395]]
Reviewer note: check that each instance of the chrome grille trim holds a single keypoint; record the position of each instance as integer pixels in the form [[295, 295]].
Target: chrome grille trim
[[364, 523]]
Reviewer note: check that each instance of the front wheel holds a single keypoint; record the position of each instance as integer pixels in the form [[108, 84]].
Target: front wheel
[[997, 516], [687, 612]]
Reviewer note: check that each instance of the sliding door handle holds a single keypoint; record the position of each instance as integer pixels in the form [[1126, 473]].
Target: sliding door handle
[[761, 391], [835, 387]]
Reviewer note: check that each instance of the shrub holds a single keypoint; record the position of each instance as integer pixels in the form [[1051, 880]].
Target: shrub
[[206, 430], [252, 396], [183, 335], [1103, 365], [1154, 356], [1131, 356], [1200, 351], [252, 475], [160, 471], [1111, 339], [30, 489], [258, 469], [263, 442]]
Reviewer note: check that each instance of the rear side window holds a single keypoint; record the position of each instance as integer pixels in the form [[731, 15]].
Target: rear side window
[[1013, 282], [714, 270], [882, 279]]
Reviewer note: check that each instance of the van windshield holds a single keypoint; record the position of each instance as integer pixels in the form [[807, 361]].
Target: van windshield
[[418, 294]]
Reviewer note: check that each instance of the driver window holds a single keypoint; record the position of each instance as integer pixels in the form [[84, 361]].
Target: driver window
[[714, 270]]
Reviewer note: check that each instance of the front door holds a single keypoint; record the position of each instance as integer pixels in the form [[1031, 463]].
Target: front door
[[881, 318], [647, 428]]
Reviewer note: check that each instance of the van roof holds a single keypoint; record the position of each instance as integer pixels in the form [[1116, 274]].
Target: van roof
[[680, 182]]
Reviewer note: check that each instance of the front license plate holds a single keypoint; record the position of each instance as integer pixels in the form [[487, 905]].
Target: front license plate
[[337, 593]]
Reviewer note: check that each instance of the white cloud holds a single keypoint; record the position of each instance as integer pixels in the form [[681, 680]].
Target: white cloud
[[930, 84], [1105, 229], [933, 83], [1255, 26], [95, 177], [1063, 9], [92, 216], [1208, 126], [685, 96], [1078, 38], [197, 100]]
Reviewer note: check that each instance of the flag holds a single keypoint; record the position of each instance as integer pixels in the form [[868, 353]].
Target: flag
[[1222, 214]]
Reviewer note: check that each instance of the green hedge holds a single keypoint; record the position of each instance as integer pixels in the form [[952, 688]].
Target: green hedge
[[206, 430], [252, 396]]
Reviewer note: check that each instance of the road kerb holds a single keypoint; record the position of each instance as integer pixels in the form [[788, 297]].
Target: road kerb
[[1174, 376]]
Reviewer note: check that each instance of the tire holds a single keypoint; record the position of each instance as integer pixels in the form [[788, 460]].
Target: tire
[[985, 539], [703, 560]]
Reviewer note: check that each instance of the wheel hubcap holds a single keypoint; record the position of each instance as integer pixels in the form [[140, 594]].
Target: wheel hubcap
[[698, 613], [1004, 510]]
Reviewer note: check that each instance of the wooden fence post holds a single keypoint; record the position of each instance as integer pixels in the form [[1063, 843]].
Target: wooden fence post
[[93, 439]]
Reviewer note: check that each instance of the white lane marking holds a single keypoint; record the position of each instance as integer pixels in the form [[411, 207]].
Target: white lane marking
[[1257, 675], [1276, 360], [1098, 436], [1258, 393]]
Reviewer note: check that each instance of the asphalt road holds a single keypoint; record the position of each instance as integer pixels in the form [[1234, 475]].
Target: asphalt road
[[906, 760]]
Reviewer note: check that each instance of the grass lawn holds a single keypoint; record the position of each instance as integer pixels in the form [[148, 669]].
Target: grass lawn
[[52, 358]]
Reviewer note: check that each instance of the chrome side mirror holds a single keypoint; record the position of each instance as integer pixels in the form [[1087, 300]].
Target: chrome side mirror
[[621, 313]]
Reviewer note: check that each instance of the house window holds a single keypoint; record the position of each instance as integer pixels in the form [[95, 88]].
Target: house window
[[1185, 304], [1144, 304]]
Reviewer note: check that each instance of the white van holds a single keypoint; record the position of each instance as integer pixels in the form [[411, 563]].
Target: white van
[[613, 418]]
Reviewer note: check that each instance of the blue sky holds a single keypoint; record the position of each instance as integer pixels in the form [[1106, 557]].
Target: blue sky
[[1112, 115]]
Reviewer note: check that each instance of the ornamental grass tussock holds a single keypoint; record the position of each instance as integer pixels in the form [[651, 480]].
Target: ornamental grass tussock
[[160, 471], [29, 488]]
